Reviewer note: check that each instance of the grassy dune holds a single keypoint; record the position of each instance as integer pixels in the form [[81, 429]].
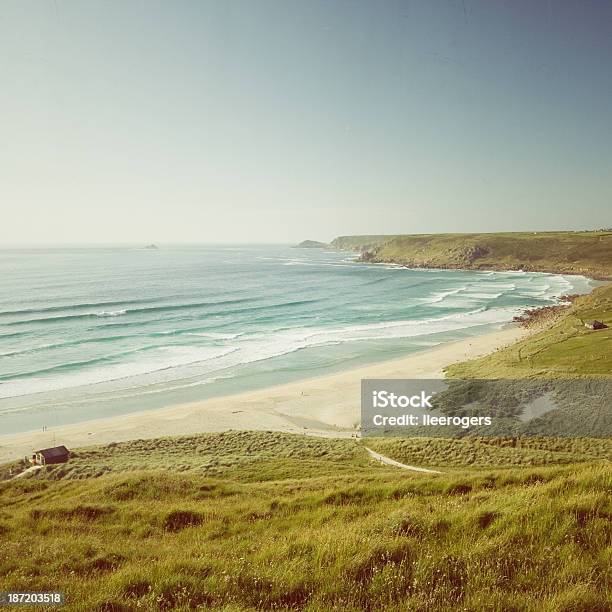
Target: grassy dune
[[212, 454], [301, 523], [566, 349], [491, 452], [270, 455], [588, 253]]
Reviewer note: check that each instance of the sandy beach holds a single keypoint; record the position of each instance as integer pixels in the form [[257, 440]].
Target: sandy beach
[[326, 406]]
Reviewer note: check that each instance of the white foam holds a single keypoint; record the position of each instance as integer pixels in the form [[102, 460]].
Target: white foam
[[214, 335], [439, 296], [162, 359], [110, 313], [484, 296], [172, 363], [262, 346]]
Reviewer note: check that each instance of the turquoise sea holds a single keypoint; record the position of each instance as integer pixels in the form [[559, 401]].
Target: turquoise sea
[[92, 332]]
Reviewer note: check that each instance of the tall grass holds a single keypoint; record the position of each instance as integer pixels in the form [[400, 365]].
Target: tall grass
[[365, 537]]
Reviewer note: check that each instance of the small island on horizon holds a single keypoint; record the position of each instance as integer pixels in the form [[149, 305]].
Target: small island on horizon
[[311, 244]]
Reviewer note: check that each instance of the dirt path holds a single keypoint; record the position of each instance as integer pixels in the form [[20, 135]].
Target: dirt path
[[394, 463]]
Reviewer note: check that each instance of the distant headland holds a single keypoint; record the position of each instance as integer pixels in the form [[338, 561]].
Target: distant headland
[[582, 252]]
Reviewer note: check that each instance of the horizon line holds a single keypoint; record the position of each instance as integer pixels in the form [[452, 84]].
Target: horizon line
[[143, 244]]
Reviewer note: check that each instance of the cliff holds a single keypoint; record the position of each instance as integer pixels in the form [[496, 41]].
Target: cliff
[[587, 253]]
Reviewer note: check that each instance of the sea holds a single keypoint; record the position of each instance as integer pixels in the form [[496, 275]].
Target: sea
[[96, 332]]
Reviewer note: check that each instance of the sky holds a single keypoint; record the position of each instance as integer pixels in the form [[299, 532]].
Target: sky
[[281, 120]]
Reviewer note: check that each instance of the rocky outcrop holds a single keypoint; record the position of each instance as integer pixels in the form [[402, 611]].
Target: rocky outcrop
[[368, 256], [468, 254]]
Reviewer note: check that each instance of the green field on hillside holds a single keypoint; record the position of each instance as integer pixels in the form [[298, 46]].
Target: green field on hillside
[[588, 253], [299, 523], [360, 243], [213, 454], [567, 349], [491, 452], [270, 455]]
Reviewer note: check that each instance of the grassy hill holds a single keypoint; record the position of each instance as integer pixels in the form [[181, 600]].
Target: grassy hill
[[290, 522], [360, 243], [588, 253], [491, 452], [566, 349], [260, 455], [212, 454]]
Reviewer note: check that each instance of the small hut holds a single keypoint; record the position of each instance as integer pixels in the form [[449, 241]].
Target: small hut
[[47, 456], [595, 325]]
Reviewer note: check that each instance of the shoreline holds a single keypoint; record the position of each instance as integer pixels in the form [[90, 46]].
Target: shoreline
[[327, 405], [589, 275]]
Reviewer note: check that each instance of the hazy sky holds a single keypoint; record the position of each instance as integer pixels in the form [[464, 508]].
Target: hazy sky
[[278, 120]]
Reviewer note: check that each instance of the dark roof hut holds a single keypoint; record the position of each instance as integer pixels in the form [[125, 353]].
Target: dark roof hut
[[47, 456], [595, 325]]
